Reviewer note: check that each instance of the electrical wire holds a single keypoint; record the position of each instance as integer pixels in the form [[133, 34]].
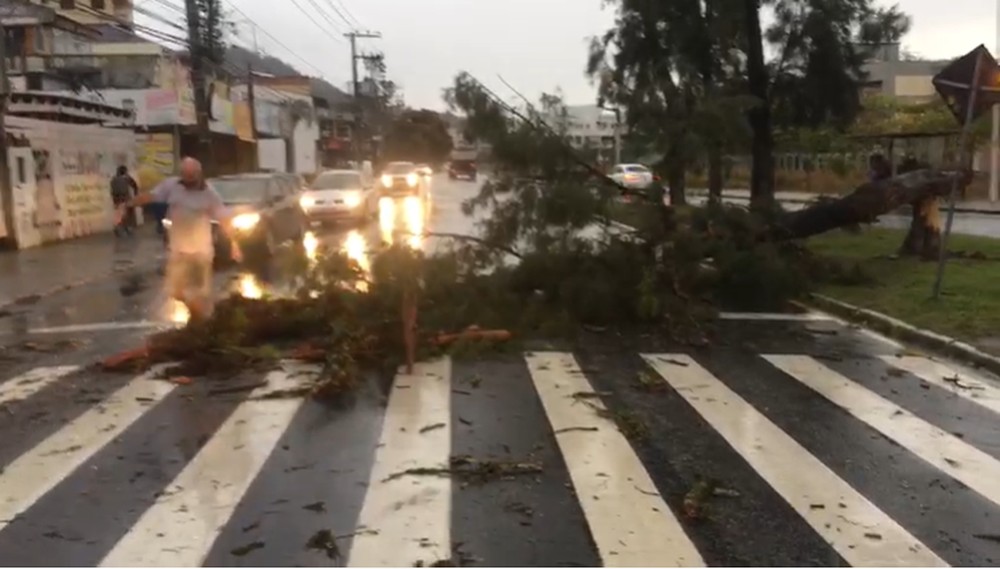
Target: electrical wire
[[317, 24], [276, 40], [356, 24]]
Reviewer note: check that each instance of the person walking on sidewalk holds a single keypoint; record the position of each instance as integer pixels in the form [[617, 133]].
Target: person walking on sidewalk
[[124, 188], [192, 205]]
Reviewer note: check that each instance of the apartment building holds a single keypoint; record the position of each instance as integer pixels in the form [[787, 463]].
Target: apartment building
[[889, 73], [91, 11]]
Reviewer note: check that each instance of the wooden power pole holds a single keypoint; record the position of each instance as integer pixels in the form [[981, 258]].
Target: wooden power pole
[[355, 85], [197, 49]]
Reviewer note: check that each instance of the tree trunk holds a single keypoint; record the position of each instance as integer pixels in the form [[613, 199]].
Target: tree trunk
[[676, 182], [759, 116], [924, 236], [868, 202], [715, 180]]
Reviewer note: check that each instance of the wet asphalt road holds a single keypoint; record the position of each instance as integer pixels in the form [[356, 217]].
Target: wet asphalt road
[[831, 447]]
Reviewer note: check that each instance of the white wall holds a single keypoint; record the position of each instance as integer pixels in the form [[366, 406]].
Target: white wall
[[60, 181], [304, 145], [271, 154]]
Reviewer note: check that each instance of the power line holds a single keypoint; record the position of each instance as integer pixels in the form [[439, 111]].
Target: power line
[[318, 25], [339, 13], [357, 22], [276, 40]]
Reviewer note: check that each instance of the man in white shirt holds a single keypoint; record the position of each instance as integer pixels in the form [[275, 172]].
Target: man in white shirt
[[192, 205]]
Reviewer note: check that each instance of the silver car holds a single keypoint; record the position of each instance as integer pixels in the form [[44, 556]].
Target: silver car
[[340, 194]]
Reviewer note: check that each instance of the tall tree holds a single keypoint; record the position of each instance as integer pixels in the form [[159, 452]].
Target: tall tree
[[673, 61], [418, 135]]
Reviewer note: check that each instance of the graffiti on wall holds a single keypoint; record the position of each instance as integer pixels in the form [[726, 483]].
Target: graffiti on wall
[[85, 192], [154, 159]]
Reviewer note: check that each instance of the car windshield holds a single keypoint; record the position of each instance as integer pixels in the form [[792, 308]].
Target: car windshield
[[636, 169], [337, 181], [399, 168], [241, 190]]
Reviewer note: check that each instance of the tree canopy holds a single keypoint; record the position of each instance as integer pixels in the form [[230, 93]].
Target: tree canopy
[[419, 136], [693, 77]]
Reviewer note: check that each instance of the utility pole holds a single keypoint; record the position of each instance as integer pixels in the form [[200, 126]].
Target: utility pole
[[252, 102], [6, 188], [196, 48], [995, 143], [353, 37]]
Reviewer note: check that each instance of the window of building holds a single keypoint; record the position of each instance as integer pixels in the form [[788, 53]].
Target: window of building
[[97, 4], [67, 4]]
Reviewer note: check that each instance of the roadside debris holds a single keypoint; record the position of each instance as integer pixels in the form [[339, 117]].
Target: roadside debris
[[324, 540], [698, 497], [245, 549], [472, 470]]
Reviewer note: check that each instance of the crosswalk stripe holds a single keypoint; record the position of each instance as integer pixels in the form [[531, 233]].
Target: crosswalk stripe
[[180, 527], [971, 388], [37, 471], [945, 451], [858, 530], [29, 383], [628, 519], [407, 518]]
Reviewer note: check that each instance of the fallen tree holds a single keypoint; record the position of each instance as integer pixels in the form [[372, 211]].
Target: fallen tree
[[546, 261]]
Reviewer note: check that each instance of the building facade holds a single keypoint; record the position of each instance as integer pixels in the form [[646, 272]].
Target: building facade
[[91, 11], [892, 75]]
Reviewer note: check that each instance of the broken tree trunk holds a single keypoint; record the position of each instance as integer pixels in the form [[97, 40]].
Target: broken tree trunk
[[865, 204], [924, 236]]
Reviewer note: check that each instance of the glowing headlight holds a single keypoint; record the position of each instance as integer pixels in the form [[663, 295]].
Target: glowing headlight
[[387, 180], [306, 202], [167, 223], [246, 221], [411, 180], [352, 200]]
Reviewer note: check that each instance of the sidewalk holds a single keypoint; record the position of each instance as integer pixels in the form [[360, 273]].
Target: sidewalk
[[41, 271], [972, 206]]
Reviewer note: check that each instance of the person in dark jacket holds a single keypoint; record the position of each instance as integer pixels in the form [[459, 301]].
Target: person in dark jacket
[[123, 189]]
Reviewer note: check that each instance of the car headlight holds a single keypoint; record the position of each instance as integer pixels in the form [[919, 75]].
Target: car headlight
[[246, 221], [352, 200], [387, 180], [411, 180], [306, 202]]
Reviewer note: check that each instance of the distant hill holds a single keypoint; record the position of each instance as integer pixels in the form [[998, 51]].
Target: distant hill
[[239, 58]]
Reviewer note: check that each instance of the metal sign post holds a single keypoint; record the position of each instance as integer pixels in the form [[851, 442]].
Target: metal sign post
[[950, 83]]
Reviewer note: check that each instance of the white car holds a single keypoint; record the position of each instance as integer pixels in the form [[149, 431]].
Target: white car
[[633, 176], [340, 194]]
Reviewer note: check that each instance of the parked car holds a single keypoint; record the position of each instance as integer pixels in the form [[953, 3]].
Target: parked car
[[266, 213], [633, 176], [340, 194], [401, 179]]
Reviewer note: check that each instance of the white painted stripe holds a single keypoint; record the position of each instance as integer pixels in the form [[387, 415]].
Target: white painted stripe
[[37, 471], [945, 451], [837, 512], [972, 388], [179, 528], [412, 514], [629, 521], [27, 384], [799, 317], [100, 327]]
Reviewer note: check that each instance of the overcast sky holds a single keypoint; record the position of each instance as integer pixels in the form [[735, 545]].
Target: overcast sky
[[536, 45]]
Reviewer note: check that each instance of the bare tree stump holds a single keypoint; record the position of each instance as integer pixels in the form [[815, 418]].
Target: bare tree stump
[[924, 236]]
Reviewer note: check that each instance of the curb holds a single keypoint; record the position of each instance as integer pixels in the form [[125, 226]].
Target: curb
[[900, 330], [958, 208]]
